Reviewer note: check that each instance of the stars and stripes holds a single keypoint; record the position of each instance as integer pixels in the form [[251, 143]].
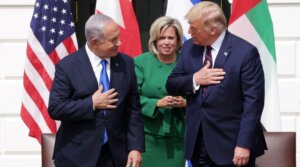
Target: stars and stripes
[[51, 37]]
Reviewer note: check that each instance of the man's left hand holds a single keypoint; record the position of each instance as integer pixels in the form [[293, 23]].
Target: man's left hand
[[134, 159], [241, 156]]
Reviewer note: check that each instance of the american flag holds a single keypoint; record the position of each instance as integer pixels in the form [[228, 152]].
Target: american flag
[[51, 37]]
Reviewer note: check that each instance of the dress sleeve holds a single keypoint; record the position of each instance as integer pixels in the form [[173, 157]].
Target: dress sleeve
[[148, 104]]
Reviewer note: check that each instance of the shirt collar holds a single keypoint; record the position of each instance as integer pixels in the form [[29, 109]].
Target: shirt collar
[[217, 44], [95, 60]]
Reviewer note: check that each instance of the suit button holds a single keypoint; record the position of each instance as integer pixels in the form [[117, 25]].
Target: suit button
[[159, 88]]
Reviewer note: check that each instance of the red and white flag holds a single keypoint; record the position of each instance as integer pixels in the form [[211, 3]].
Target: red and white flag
[[51, 37], [122, 12]]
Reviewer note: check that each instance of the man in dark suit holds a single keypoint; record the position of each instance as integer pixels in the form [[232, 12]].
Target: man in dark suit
[[222, 77], [98, 128]]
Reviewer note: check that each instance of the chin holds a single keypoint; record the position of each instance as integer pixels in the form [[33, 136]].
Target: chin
[[115, 54], [195, 42], [167, 53]]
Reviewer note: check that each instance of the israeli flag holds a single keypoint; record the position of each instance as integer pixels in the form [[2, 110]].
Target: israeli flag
[[178, 9]]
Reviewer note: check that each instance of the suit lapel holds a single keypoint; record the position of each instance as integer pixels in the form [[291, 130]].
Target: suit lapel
[[115, 72], [116, 76], [197, 57], [86, 70], [224, 52], [221, 58]]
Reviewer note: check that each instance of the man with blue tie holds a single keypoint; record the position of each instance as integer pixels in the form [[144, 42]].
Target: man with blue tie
[[222, 77], [95, 96]]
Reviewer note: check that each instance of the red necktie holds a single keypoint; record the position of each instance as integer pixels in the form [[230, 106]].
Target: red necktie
[[207, 58]]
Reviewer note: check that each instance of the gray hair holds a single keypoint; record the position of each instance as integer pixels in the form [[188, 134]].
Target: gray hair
[[94, 26], [160, 25], [210, 13]]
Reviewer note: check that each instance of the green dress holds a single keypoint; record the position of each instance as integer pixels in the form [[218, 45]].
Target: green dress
[[164, 127]]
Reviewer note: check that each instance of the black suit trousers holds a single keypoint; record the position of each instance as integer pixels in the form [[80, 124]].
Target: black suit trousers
[[201, 158], [105, 159]]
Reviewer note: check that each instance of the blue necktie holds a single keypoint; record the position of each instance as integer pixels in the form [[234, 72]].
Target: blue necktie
[[105, 83]]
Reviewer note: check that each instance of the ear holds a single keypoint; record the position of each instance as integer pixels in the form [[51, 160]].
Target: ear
[[93, 42], [213, 31]]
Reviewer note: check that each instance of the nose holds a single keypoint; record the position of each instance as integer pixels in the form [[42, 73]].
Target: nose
[[166, 41]]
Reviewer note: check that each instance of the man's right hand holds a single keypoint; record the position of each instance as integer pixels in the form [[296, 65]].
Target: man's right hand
[[105, 100], [208, 76]]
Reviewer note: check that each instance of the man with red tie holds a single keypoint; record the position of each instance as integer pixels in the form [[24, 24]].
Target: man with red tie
[[222, 77]]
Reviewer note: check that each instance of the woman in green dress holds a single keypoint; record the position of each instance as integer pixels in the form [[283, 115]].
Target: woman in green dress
[[163, 114]]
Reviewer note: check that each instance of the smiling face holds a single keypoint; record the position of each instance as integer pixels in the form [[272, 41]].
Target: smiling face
[[108, 46], [167, 43]]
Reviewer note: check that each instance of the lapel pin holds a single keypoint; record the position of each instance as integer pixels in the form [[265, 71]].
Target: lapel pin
[[225, 53], [117, 64]]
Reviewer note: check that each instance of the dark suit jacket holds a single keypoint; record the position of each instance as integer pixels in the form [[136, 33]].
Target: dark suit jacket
[[79, 138], [230, 112]]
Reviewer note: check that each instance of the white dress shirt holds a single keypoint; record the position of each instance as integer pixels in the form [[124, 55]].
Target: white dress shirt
[[214, 52], [96, 65]]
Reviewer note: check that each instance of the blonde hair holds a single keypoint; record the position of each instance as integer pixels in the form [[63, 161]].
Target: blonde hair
[[210, 13], [160, 25]]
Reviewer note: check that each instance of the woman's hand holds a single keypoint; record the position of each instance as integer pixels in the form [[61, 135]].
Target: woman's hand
[[166, 101], [171, 101], [179, 102]]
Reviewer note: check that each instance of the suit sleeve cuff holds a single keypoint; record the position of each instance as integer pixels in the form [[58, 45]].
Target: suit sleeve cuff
[[195, 87]]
